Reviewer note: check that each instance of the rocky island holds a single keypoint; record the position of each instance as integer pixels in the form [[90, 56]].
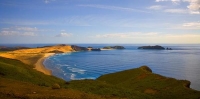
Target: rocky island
[[79, 48], [157, 47], [113, 47]]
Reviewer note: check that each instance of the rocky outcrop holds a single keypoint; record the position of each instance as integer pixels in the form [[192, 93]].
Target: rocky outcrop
[[118, 47], [152, 47], [95, 49], [113, 47], [78, 48]]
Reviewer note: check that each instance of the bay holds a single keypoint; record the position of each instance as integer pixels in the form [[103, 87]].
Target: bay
[[183, 62]]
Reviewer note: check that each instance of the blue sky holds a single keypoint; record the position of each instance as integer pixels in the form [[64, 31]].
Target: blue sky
[[100, 21]]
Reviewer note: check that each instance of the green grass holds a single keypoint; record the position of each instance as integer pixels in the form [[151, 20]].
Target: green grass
[[18, 80], [14, 69], [137, 83]]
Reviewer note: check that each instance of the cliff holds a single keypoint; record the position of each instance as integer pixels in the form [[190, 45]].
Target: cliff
[[78, 48]]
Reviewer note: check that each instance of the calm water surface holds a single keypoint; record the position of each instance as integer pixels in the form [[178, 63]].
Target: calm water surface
[[181, 63]]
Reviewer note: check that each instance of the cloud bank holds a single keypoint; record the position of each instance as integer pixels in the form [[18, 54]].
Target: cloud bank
[[193, 6], [19, 31], [153, 37], [112, 7]]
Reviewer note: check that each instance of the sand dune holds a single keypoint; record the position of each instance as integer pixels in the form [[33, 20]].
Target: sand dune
[[35, 56], [58, 48]]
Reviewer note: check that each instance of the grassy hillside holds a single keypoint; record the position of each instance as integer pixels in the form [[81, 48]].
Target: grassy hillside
[[139, 83], [18, 80], [144, 81], [14, 69]]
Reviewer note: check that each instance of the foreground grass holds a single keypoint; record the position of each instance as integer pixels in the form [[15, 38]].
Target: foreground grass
[[14, 69], [19, 80], [139, 83]]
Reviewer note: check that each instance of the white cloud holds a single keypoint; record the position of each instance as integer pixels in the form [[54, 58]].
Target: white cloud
[[192, 25], [48, 1], [18, 31], [26, 29], [183, 11], [176, 1], [156, 7], [151, 37], [64, 34], [144, 35], [113, 8], [185, 26], [194, 6], [127, 35]]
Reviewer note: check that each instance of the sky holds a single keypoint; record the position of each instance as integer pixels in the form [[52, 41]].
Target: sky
[[100, 21]]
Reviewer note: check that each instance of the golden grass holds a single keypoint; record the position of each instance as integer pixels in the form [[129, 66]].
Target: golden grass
[[27, 58], [31, 56], [66, 48], [35, 56]]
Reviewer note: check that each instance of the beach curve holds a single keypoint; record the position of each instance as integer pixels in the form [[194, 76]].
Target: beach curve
[[39, 66]]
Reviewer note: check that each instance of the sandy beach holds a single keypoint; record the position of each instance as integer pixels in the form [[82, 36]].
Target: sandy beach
[[39, 66], [36, 56]]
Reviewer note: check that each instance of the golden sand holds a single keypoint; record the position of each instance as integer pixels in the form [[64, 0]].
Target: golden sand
[[39, 66], [36, 56]]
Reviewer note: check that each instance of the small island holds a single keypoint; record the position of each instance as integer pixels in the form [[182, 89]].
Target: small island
[[79, 48], [156, 47], [113, 47]]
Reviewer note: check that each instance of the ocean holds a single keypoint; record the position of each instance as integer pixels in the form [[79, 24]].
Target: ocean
[[183, 62]]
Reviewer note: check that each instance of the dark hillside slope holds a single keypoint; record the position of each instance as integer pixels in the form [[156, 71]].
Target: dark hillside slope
[[143, 80]]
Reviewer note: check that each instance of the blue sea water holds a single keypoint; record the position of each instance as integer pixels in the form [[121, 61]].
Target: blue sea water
[[183, 62]]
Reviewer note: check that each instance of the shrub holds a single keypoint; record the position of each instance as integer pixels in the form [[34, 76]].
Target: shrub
[[56, 86], [146, 68]]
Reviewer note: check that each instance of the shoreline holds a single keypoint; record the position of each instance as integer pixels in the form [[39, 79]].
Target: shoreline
[[39, 66]]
